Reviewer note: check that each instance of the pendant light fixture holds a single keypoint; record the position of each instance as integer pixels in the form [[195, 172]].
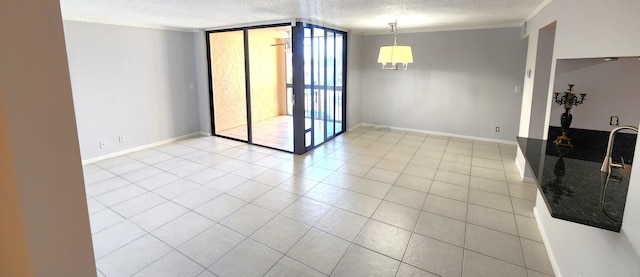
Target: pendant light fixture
[[395, 57]]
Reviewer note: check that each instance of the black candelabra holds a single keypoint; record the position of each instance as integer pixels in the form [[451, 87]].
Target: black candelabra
[[568, 100]]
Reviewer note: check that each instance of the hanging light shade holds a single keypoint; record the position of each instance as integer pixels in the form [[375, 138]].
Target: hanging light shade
[[395, 57]]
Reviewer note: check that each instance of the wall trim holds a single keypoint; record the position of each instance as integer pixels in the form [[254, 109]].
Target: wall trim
[[545, 240], [535, 12], [355, 127], [129, 24], [439, 134], [138, 148]]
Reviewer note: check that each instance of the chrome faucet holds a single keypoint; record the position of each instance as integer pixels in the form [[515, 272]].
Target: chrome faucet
[[607, 164]]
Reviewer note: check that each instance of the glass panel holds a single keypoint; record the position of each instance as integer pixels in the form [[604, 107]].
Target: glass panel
[[330, 68], [271, 126], [339, 71], [330, 113], [229, 91], [307, 139], [318, 116], [307, 108], [307, 56], [319, 55], [289, 101]]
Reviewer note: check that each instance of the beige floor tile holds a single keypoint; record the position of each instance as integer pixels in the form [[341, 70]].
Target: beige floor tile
[[397, 215], [247, 259], [406, 270], [384, 238], [182, 229], [455, 167], [528, 228], [492, 219], [359, 203], [434, 256], [490, 200], [420, 171], [447, 190], [220, 207], [249, 190], [382, 175], [341, 223], [372, 188], [306, 210], [495, 244], [407, 197], [248, 219], [172, 264], [452, 178], [326, 194], [489, 185], [210, 245], [281, 233], [445, 207], [535, 256], [341, 180], [488, 173], [276, 200], [289, 267], [122, 262], [441, 228], [480, 265], [319, 250], [359, 261], [413, 182]]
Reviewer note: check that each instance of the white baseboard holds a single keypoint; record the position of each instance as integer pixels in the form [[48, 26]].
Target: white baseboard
[[438, 133], [545, 240], [355, 127], [138, 148]]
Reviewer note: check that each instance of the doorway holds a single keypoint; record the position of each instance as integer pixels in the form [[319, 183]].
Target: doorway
[[258, 74]]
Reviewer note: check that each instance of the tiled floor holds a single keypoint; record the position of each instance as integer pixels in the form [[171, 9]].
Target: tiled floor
[[277, 132], [369, 203]]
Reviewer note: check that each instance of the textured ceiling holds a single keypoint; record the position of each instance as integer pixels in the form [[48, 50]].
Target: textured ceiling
[[365, 16]]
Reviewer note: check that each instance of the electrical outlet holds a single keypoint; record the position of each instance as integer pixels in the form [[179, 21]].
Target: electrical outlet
[[614, 120], [122, 139], [103, 143], [497, 129]]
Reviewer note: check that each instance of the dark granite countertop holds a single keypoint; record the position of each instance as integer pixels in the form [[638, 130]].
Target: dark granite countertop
[[574, 189]]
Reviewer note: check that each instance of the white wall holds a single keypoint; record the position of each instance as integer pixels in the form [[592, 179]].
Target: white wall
[[461, 82], [44, 222], [544, 61], [131, 82], [202, 83], [354, 80], [611, 87], [587, 29]]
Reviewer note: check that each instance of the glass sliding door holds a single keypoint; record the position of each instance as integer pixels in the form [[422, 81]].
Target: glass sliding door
[[250, 85], [278, 86], [323, 63], [270, 123], [226, 50]]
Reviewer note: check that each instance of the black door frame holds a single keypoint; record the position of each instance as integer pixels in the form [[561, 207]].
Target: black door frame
[[297, 32]]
